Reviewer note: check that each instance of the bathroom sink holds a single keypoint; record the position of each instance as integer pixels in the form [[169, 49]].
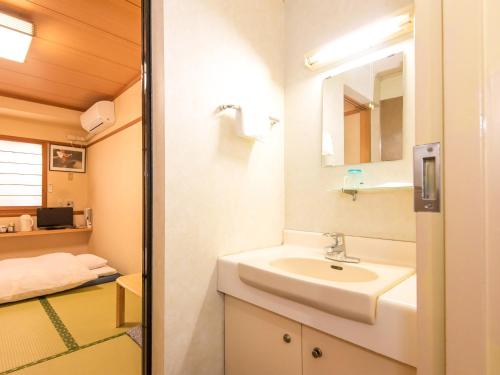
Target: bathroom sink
[[324, 269], [346, 290]]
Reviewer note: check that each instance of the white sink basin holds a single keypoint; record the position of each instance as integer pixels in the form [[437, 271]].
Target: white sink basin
[[346, 290], [324, 269]]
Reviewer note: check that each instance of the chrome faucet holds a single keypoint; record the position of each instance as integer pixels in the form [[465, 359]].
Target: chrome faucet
[[337, 250]]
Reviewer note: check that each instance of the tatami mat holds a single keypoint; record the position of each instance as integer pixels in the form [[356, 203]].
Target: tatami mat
[[26, 334], [89, 313], [118, 356]]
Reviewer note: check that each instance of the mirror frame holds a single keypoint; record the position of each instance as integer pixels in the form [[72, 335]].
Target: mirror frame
[[324, 164]]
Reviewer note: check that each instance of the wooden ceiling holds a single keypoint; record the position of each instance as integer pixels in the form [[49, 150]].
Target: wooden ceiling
[[83, 51]]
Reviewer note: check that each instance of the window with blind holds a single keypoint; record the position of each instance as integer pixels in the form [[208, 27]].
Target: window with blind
[[21, 174]]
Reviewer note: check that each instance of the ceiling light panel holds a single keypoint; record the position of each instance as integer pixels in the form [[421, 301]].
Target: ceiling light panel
[[15, 35]]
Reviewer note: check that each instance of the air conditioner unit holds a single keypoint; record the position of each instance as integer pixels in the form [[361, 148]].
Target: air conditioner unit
[[98, 117]]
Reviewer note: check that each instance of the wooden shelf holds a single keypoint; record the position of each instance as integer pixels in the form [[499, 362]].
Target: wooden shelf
[[44, 232]]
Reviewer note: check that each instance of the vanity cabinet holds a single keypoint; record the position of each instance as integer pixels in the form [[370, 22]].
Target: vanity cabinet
[[259, 342], [323, 354]]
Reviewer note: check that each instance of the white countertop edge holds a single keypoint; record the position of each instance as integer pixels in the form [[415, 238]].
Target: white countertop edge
[[393, 335]]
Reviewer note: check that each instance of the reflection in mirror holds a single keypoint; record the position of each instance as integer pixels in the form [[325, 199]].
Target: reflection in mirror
[[363, 113]]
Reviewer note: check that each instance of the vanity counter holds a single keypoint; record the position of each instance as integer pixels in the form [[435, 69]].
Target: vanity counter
[[393, 334]]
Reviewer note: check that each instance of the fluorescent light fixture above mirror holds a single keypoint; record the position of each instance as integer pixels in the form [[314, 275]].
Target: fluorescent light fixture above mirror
[[375, 35], [15, 37]]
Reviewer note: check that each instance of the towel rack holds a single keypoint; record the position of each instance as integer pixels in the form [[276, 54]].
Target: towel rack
[[223, 107]]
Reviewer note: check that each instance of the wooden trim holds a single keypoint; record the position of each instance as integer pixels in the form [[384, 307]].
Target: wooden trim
[[133, 3], [45, 160], [17, 211], [42, 232], [355, 103], [39, 101], [353, 112], [121, 128], [39, 141], [22, 139], [128, 85]]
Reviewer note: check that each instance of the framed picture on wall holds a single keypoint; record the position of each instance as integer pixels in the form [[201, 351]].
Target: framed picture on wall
[[67, 159]]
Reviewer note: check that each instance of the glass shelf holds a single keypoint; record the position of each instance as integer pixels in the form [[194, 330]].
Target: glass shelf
[[382, 187]]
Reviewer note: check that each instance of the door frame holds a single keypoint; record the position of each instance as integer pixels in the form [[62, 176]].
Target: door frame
[[147, 242], [429, 120], [471, 165]]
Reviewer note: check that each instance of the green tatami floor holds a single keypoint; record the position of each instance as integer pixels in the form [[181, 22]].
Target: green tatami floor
[[69, 333]]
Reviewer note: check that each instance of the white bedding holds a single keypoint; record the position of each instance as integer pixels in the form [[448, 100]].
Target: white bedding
[[23, 278], [104, 271]]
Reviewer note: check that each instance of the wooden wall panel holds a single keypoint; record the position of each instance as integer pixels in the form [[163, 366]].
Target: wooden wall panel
[[55, 73], [116, 17], [53, 53]]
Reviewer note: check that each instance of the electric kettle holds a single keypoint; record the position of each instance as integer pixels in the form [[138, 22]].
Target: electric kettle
[[26, 223]]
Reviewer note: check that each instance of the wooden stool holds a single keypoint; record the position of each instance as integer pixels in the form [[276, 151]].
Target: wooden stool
[[133, 283]]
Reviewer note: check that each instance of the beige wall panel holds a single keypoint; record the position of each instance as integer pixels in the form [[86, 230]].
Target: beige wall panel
[[115, 195], [491, 14], [115, 186], [22, 247]]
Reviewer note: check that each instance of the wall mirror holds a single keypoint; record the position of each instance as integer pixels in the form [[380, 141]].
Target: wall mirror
[[363, 113]]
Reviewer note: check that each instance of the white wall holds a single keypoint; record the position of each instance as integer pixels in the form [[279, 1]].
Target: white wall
[[309, 205], [391, 86], [333, 147], [223, 194]]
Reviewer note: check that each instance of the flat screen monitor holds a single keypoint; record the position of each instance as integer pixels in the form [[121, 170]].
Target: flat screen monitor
[[54, 218]]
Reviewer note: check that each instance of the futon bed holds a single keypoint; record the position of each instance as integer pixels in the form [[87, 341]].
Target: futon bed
[[23, 278]]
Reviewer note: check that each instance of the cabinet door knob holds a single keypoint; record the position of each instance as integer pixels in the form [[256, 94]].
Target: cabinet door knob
[[287, 338], [317, 353]]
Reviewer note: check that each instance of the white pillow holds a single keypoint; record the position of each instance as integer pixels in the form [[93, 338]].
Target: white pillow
[[104, 271], [92, 261]]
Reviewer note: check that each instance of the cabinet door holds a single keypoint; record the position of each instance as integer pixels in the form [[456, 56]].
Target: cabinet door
[[327, 355], [259, 342]]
